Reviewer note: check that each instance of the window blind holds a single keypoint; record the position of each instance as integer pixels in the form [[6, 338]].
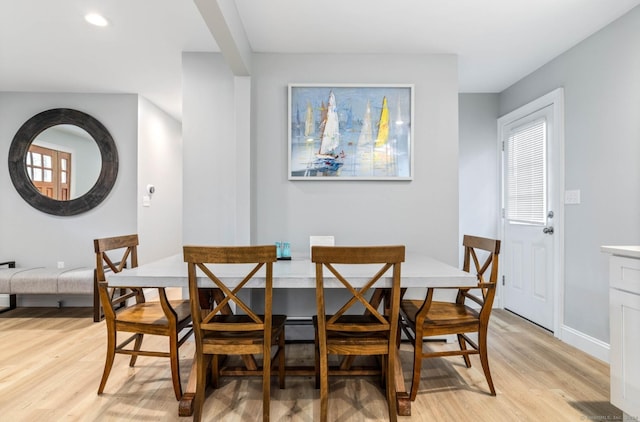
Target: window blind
[[526, 176]]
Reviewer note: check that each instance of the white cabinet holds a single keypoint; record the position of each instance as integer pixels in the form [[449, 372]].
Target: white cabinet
[[624, 307]]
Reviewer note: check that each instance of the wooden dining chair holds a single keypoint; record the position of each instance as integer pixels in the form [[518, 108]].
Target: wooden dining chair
[[347, 333], [126, 310], [218, 332], [468, 314]]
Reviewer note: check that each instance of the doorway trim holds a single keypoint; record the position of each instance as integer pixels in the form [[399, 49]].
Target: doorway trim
[[555, 99]]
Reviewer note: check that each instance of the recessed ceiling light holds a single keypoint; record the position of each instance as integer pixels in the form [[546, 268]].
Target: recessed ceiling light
[[96, 19]]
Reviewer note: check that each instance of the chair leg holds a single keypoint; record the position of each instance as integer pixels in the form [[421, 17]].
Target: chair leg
[[175, 365], [266, 382], [391, 386], [463, 346], [324, 386], [215, 371], [111, 353], [383, 370], [281, 359], [136, 347], [417, 365], [201, 385], [484, 359], [316, 347]]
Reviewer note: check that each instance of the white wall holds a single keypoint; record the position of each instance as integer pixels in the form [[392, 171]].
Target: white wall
[[602, 159], [422, 214], [159, 164], [33, 238]]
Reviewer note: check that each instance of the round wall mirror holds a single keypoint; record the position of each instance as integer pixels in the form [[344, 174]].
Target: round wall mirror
[[63, 162]]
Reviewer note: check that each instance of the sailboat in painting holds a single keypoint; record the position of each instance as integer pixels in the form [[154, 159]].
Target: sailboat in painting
[[384, 152], [309, 123], [366, 132], [328, 159], [383, 125]]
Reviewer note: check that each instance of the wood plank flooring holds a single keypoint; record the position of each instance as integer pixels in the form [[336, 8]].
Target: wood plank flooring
[[51, 362]]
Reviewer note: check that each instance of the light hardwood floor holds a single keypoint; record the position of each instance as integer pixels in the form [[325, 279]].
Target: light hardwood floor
[[51, 362]]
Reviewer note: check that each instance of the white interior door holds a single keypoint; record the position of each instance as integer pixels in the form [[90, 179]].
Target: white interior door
[[530, 223]]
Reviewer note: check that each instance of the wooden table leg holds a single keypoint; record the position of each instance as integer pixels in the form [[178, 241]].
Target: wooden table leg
[[403, 402], [402, 397], [185, 407]]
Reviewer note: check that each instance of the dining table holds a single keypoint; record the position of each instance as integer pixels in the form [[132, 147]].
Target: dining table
[[419, 271]]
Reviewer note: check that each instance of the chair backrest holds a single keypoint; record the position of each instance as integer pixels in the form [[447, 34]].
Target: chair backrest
[[389, 257], [483, 253], [126, 248], [197, 258]]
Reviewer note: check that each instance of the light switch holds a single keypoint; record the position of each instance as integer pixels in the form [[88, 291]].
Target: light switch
[[146, 201], [572, 196]]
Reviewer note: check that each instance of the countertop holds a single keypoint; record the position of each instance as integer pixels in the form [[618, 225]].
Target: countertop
[[630, 251]]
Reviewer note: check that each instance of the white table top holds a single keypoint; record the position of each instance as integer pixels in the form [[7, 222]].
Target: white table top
[[417, 271]]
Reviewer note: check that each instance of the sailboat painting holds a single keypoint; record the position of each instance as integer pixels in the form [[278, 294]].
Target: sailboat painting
[[350, 132]]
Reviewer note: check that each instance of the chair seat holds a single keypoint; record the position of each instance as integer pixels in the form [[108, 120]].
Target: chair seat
[[353, 326], [441, 313], [355, 342], [151, 313], [242, 337]]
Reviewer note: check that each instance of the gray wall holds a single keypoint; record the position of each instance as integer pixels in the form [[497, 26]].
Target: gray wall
[[208, 122], [34, 238], [478, 167], [422, 214], [601, 82], [159, 164]]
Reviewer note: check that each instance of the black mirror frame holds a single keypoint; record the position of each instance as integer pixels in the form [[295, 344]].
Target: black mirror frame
[[28, 133]]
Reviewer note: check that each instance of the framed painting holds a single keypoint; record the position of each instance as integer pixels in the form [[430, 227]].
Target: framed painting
[[350, 132]]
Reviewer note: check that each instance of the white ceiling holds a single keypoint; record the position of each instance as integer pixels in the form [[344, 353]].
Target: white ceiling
[[46, 46]]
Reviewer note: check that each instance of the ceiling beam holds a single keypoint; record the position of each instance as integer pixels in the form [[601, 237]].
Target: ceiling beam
[[223, 20]]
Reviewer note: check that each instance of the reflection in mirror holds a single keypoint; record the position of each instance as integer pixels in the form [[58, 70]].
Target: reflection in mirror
[[39, 176], [63, 162]]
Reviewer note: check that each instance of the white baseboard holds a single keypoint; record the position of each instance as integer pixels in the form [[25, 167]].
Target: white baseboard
[[592, 346]]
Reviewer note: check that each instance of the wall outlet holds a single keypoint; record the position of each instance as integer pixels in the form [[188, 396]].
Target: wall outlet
[[572, 196], [60, 264]]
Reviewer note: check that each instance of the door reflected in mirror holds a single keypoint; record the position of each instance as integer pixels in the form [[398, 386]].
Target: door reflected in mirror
[[84, 190], [63, 162]]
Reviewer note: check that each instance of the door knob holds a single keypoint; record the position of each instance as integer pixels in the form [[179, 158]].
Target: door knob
[[548, 230]]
